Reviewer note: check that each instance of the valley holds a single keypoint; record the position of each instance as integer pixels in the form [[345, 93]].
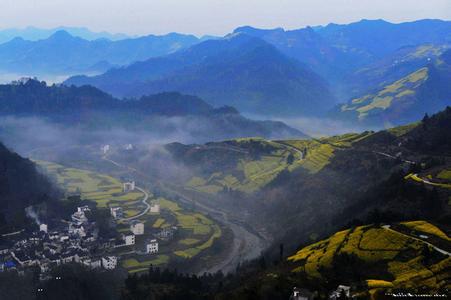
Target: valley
[[229, 161]]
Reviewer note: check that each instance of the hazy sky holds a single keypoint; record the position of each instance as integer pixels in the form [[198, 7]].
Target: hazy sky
[[209, 16]]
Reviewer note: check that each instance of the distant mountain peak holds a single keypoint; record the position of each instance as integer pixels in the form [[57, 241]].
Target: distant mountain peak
[[256, 31], [61, 35]]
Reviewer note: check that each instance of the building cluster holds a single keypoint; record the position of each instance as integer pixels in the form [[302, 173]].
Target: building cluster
[[64, 242], [77, 240]]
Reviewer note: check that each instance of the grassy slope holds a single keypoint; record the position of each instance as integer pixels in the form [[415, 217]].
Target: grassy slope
[[383, 99], [401, 256], [258, 172]]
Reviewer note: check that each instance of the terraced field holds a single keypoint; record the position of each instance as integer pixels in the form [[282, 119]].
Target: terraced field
[[251, 173], [402, 256], [195, 232], [426, 228], [254, 173], [439, 180], [104, 190], [388, 95], [320, 151]]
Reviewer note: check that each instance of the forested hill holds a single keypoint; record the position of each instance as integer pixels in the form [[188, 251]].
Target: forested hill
[[21, 185], [91, 108]]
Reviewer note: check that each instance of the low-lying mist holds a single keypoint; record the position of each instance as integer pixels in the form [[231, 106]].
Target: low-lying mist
[[316, 126]]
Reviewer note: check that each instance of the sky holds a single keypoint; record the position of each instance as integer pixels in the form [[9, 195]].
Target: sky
[[218, 17]]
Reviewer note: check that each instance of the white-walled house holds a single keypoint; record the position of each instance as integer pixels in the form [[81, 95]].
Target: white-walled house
[[129, 239], [152, 247], [109, 262], [137, 227], [129, 186], [117, 212]]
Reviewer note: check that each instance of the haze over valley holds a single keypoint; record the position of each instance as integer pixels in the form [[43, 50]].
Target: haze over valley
[[262, 162]]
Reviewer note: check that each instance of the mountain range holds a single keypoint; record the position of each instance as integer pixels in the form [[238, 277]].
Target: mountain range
[[333, 49], [65, 54], [31, 33], [238, 70], [298, 72]]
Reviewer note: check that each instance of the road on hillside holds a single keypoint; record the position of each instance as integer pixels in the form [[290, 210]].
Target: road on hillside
[[246, 245], [301, 153], [144, 201], [388, 227], [394, 157]]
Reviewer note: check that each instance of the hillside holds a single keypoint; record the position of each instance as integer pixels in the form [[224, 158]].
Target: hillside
[[64, 54], [377, 38], [167, 115], [376, 259], [426, 90], [342, 54], [21, 185], [361, 179], [237, 70], [249, 164], [392, 67]]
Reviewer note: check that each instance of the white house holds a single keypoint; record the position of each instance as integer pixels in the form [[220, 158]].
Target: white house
[[129, 239], [301, 294], [137, 227], [92, 263], [84, 208], [117, 212], [109, 262], [129, 186], [79, 217], [43, 227], [155, 208], [105, 149], [341, 289], [152, 247]]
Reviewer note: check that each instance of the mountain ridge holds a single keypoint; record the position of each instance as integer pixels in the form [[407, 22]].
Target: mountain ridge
[[237, 70]]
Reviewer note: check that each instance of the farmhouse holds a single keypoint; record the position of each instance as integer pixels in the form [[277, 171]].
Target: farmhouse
[[109, 262], [155, 208], [137, 227], [341, 290], [43, 228], [129, 186], [152, 247], [79, 217], [117, 212], [129, 239]]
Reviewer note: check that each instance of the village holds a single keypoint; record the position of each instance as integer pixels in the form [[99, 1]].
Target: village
[[77, 240]]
